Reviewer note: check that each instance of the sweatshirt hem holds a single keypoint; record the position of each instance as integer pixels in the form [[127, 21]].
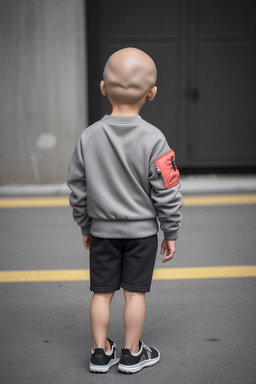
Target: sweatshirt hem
[[121, 229]]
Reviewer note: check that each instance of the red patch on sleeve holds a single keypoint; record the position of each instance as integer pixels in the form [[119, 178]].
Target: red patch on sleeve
[[169, 171]]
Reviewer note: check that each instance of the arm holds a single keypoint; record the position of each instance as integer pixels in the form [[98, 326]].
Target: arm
[[76, 181], [164, 180], [168, 203]]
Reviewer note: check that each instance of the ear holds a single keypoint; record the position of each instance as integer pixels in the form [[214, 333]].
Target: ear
[[152, 93], [103, 88]]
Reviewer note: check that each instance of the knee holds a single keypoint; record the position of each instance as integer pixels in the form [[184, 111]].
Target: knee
[[129, 294], [108, 296]]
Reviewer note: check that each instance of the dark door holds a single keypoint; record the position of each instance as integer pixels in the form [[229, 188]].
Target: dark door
[[205, 52]]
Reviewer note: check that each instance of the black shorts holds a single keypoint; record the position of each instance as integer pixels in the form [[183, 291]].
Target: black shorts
[[126, 263]]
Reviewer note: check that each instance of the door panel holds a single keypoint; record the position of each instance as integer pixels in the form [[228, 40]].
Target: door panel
[[205, 52], [223, 120], [225, 116]]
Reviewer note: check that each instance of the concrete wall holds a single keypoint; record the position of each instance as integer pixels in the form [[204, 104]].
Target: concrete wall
[[42, 88]]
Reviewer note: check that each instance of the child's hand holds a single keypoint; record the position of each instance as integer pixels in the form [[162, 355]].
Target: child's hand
[[168, 247], [87, 241]]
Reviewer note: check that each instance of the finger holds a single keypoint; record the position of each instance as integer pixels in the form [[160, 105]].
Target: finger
[[163, 250], [168, 257], [86, 245]]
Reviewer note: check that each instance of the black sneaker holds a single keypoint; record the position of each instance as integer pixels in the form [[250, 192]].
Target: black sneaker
[[100, 361], [132, 363]]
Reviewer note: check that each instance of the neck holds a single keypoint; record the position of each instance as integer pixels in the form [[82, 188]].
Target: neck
[[126, 109]]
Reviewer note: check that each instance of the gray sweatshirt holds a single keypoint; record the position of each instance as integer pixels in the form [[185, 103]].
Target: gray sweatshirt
[[122, 176]]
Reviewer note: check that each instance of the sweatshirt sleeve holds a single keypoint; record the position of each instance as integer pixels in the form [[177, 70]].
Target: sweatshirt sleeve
[[165, 186], [76, 180]]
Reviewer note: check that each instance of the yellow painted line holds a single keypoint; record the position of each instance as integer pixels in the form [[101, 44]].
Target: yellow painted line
[[189, 201], [220, 200], [159, 274], [205, 272], [44, 275], [34, 202]]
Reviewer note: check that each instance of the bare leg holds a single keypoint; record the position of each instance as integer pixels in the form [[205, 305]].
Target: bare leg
[[134, 317], [100, 319]]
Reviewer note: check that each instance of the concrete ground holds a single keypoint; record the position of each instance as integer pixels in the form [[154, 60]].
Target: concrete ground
[[204, 328]]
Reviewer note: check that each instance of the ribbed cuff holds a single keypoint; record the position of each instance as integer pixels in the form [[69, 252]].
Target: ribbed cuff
[[86, 230], [171, 235]]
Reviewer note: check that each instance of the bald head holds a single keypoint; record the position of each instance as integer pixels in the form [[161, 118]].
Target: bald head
[[128, 75]]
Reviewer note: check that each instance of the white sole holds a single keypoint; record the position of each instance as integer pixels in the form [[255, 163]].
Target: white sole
[[103, 368], [137, 367]]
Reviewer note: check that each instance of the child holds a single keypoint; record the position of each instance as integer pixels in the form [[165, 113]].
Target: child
[[122, 176]]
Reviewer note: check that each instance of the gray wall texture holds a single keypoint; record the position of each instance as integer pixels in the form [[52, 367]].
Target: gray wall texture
[[42, 88]]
